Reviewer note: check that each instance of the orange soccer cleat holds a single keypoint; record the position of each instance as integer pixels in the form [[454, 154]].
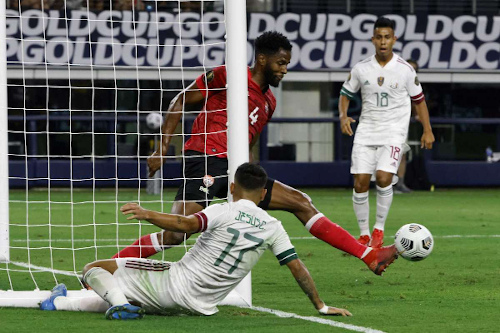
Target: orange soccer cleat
[[377, 238], [378, 259], [364, 239]]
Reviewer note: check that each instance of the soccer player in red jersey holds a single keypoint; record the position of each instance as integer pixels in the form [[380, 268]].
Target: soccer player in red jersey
[[206, 160]]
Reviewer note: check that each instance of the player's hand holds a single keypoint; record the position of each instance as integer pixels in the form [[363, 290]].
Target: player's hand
[[427, 140], [332, 311], [345, 125], [135, 210], [154, 163], [156, 159]]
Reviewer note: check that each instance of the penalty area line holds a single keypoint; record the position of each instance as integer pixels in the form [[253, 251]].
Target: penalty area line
[[323, 321]]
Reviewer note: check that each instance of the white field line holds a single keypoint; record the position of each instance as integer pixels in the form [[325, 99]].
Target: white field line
[[43, 269], [69, 273], [113, 240], [318, 320], [278, 313]]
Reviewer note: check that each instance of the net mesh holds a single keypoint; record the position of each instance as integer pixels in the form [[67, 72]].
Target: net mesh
[[83, 76]]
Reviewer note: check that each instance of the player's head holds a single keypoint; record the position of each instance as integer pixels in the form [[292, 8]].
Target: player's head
[[413, 64], [249, 182], [273, 52], [383, 36]]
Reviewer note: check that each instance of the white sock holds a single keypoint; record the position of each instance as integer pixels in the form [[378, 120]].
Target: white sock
[[86, 304], [104, 284], [384, 201], [361, 207], [154, 241]]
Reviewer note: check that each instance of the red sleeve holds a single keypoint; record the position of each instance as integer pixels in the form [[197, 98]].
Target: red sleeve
[[212, 82], [418, 98], [202, 221]]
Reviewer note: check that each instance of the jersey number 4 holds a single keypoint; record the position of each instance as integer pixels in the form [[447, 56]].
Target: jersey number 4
[[232, 243], [254, 116]]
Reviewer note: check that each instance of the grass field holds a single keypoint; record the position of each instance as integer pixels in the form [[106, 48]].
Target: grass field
[[456, 289]]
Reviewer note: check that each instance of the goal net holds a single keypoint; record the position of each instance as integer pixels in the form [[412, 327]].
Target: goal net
[[80, 81]]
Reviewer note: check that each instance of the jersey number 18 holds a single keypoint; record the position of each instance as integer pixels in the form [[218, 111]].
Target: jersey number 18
[[382, 99]]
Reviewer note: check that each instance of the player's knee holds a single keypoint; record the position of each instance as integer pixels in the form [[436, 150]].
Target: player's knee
[[88, 266], [361, 188], [384, 181], [171, 238], [302, 202]]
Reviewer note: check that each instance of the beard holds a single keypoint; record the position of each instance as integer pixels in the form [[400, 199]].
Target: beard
[[270, 78]]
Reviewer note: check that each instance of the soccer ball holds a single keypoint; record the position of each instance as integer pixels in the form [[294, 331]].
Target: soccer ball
[[414, 242], [154, 120]]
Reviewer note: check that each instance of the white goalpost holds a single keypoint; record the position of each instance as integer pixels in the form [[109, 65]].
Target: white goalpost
[[74, 143], [4, 145]]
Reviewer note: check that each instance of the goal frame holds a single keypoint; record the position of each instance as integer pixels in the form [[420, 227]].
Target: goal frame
[[238, 148], [4, 141]]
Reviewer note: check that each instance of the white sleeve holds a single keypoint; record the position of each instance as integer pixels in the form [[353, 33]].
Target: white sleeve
[[351, 85], [210, 217], [282, 247], [414, 87]]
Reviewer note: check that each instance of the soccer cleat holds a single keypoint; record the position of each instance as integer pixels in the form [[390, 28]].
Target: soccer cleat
[[378, 259], [364, 239], [125, 312], [377, 238], [57, 291]]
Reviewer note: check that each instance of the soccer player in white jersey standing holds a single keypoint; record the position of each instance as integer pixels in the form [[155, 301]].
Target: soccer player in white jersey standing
[[234, 236], [388, 86]]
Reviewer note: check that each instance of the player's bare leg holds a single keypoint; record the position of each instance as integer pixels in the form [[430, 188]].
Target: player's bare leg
[[400, 187], [291, 200], [361, 206], [169, 238], [151, 244], [384, 201], [287, 198]]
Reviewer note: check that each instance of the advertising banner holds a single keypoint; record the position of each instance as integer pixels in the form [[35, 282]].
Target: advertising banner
[[320, 41]]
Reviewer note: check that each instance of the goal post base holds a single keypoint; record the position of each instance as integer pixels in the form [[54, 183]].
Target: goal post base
[[240, 296], [32, 299]]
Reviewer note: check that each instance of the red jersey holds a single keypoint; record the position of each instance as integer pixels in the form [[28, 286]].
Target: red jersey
[[210, 129]]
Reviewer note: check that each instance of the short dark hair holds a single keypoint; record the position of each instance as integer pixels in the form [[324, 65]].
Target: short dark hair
[[413, 61], [270, 42], [384, 22], [251, 176]]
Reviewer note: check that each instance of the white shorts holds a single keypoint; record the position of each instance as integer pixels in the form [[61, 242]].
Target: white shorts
[[147, 282], [368, 159]]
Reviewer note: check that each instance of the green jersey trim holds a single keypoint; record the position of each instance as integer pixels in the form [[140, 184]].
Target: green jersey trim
[[346, 93], [287, 256]]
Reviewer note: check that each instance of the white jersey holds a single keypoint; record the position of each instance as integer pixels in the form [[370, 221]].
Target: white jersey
[[235, 236], [386, 94]]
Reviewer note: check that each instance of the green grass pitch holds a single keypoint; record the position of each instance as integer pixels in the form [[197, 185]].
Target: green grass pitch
[[456, 289]]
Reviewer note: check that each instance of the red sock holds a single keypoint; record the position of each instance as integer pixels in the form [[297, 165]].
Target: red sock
[[321, 227], [141, 248]]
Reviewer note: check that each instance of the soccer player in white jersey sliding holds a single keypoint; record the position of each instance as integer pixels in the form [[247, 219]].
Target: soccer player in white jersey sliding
[[234, 236], [388, 86]]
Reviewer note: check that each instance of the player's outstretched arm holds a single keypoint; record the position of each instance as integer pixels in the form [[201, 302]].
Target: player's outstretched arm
[[423, 115], [306, 282], [188, 97], [172, 222], [345, 121]]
